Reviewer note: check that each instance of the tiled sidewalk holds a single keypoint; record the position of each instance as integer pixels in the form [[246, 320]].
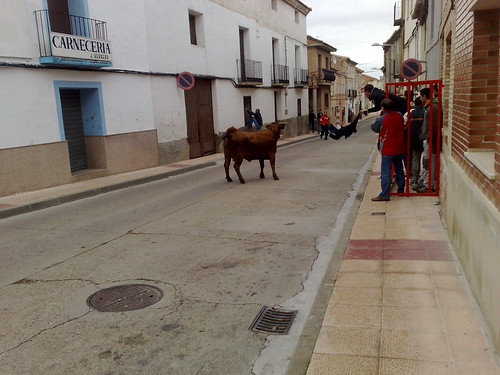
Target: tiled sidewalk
[[400, 305]]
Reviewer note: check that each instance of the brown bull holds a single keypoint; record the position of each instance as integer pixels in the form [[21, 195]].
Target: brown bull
[[258, 145]]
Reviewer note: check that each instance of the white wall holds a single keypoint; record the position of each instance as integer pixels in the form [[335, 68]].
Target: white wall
[[151, 36]]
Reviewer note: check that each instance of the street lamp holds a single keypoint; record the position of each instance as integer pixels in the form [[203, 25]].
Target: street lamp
[[383, 45]]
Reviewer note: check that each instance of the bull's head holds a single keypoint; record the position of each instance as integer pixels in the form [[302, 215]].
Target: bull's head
[[276, 128]]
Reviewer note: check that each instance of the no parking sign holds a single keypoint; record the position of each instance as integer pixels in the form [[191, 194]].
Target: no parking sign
[[185, 81], [410, 69]]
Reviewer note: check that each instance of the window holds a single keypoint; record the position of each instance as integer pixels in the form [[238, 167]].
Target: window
[[296, 16], [299, 107], [196, 27], [274, 4], [192, 29]]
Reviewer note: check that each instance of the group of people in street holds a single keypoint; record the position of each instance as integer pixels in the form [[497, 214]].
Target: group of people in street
[[424, 142], [391, 129]]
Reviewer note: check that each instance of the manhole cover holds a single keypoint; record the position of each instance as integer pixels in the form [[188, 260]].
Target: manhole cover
[[125, 297], [272, 320]]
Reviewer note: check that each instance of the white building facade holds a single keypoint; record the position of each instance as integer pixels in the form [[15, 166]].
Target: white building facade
[[93, 88]]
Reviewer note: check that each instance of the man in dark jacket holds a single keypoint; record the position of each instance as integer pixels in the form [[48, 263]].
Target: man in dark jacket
[[312, 118], [391, 141], [431, 126], [416, 144], [376, 96]]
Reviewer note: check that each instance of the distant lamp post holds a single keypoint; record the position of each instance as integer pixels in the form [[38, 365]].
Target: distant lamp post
[[383, 45]]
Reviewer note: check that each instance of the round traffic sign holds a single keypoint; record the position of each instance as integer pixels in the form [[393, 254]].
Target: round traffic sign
[[185, 81], [410, 69]]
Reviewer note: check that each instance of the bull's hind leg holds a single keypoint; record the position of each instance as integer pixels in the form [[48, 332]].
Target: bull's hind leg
[[261, 161], [272, 159], [237, 164], [227, 162]]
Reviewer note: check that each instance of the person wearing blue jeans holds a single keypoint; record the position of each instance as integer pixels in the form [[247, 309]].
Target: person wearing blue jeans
[[385, 174], [391, 143]]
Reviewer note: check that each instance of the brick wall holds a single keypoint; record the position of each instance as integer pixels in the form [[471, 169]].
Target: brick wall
[[475, 112]]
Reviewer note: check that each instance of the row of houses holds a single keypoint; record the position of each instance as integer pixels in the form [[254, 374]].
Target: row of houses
[[457, 42], [90, 88], [335, 82]]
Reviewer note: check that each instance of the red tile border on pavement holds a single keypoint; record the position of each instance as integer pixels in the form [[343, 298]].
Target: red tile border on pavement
[[398, 250]]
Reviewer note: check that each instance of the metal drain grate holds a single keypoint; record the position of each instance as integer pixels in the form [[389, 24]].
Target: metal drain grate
[[125, 297], [272, 320], [378, 213]]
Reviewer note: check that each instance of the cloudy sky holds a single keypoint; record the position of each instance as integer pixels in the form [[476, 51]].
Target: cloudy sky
[[352, 26]]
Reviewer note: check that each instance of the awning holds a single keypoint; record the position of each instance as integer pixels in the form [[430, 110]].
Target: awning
[[328, 75]]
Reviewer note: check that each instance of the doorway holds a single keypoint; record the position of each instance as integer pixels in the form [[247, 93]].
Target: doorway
[[199, 117], [71, 109]]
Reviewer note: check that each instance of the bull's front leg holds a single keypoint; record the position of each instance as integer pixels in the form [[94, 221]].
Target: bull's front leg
[[237, 164], [272, 159], [261, 161], [227, 162]]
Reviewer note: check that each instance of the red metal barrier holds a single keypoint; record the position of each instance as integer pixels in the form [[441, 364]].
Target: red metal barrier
[[411, 90]]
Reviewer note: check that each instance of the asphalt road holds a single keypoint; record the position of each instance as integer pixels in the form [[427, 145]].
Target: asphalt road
[[219, 251]]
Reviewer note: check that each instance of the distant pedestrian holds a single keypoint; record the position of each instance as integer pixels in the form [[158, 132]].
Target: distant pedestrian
[[250, 116], [325, 122], [312, 119], [258, 118], [391, 143]]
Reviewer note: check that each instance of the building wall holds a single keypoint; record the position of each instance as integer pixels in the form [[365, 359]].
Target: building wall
[[471, 159], [136, 107]]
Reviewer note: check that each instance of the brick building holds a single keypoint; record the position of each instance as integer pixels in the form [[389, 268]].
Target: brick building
[[470, 169]]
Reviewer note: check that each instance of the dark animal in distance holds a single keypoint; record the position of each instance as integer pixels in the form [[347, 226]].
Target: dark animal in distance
[[258, 145]]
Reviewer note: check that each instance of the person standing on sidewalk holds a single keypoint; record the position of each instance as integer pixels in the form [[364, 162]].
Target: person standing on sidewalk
[[429, 134], [416, 145], [258, 118], [325, 122], [391, 143], [312, 118]]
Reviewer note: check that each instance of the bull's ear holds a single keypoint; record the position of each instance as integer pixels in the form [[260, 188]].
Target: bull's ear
[[267, 126]]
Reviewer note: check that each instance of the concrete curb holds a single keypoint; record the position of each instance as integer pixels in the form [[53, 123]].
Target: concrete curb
[[51, 202], [66, 198]]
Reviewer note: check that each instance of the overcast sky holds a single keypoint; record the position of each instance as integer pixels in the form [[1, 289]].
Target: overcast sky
[[352, 26]]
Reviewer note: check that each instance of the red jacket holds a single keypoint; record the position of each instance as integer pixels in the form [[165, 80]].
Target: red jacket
[[324, 120], [392, 134]]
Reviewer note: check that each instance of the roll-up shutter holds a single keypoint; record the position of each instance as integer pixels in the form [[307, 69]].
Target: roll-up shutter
[[73, 128]]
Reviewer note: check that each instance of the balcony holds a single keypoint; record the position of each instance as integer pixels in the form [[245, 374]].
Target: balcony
[[65, 39], [279, 75], [301, 77], [249, 72], [352, 93]]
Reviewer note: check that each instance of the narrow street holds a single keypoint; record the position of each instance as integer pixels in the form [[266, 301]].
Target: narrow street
[[218, 251]]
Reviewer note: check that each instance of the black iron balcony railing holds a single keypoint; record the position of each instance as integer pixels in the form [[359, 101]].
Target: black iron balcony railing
[[48, 21], [249, 72], [279, 75], [352, 93], [301, 77]]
